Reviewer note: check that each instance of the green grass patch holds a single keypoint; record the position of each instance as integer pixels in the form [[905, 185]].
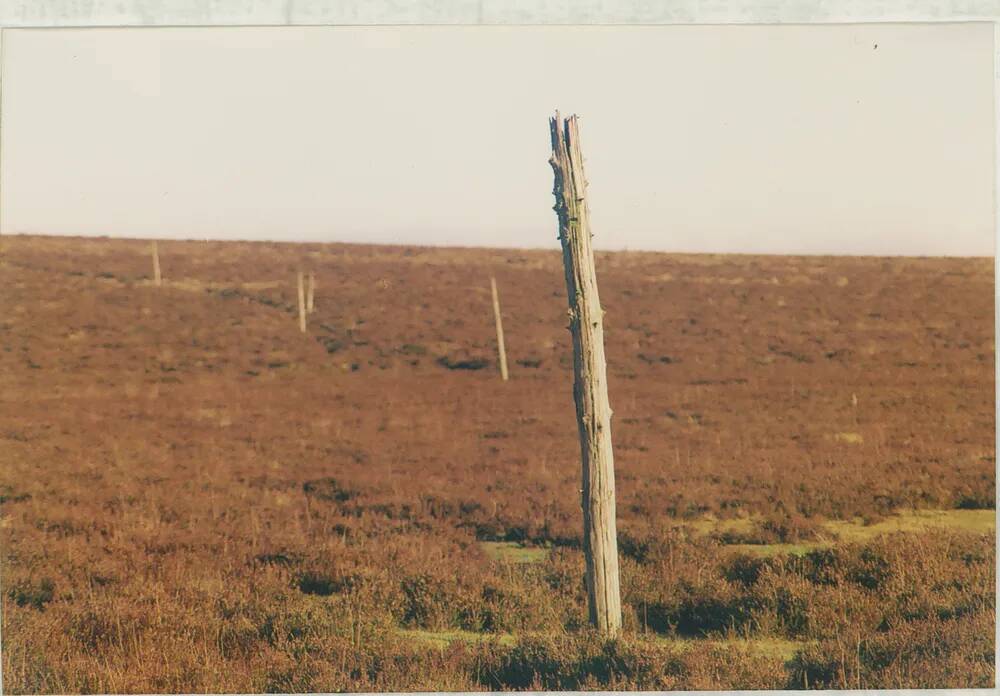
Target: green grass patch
[[769, 550], [856, 531], [849, 438], [975, 521], [442, 639], [833, 531], [512, 552], [768, 647], [708, 525]]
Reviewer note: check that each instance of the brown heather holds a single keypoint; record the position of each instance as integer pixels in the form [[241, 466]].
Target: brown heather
[[196, 497]]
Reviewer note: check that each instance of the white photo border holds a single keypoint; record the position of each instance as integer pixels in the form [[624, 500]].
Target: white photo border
[[29, 14], [134, 13]]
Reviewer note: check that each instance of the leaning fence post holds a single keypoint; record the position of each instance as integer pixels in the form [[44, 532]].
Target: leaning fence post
[[311, 294], [496, 315], [590, 386], [157, 279], [302, 305]]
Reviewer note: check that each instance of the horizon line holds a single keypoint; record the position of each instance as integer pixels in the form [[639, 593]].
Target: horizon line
[[446, 246]]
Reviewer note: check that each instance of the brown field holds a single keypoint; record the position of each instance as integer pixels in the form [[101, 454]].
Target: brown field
[[196, 497]]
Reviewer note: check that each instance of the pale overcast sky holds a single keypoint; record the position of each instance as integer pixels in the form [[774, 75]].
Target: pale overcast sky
[[796, 139]]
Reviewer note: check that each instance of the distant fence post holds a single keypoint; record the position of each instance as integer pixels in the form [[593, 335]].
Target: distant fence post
[[311, 294], [590, 385], [302, 304], [157, 279], [500, 345]]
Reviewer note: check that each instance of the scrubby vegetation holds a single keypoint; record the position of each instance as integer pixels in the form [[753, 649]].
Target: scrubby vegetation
[[195, 497]]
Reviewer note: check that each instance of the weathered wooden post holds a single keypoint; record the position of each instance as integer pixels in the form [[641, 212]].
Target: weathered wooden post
[[496, 315], [302, 304], [590, 387], [157, 279], [311, 294]]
